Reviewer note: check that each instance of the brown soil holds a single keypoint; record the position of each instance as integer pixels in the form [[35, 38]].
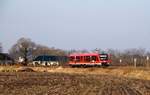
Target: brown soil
[[48, 83]]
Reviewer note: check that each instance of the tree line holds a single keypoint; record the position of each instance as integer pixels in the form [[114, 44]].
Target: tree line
[[28, 50]]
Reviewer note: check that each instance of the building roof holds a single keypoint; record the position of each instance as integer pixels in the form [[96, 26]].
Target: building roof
[[45, 58], [5, 56], [48, 58]]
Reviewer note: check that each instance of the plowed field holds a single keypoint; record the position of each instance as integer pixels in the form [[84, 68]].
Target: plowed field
[[61, 83]]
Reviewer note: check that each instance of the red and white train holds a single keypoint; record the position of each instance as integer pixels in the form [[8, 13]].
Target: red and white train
[[89, 59]]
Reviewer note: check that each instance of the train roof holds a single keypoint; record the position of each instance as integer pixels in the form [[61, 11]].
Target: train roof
[[83, 54]]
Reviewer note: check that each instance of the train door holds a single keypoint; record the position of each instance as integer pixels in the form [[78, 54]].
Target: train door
[[72, 60], [94, 59]]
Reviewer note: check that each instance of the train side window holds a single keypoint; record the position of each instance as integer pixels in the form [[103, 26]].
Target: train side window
[[78, 59], [72, 58], [81, 59], [87, 58]]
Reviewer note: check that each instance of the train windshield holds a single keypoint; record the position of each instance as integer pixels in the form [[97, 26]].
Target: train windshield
[[103, 57]]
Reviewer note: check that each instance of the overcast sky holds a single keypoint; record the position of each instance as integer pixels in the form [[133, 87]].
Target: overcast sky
[[76, 24]]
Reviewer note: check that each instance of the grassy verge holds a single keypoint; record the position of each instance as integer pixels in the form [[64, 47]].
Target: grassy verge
[[130, 72]]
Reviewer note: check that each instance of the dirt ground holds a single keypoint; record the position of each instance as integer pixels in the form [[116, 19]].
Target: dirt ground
[[77, 81]]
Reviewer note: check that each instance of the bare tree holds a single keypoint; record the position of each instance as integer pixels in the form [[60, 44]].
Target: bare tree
[[22, 48], [44, 50], [131, 54], [127, 56], [1, 49]]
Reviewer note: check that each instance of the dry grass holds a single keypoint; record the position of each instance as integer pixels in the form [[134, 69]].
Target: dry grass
[[130, 72]]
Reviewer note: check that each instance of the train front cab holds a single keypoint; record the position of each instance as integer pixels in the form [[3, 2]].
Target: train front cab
[[105, 59]]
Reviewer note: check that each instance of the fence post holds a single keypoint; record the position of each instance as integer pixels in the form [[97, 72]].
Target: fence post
[[147, 61], [120, 61], [135, 62]]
